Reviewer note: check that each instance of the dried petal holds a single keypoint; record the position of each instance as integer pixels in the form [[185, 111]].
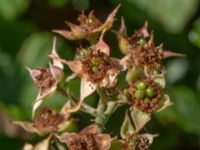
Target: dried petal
[[75, 65], [41, 97], [43, 145], [56, 72], [102, 46], [110, 80], [27, 146], [123, 43], [66, 34], [160, 80], [144, 30], [168, 54], [126, 127], [87, 88], [78, 32], [123, 62], [54, 52], [109, 21], [140, 118], [166, 103], [28, 126], [34, 73], [122, 29]]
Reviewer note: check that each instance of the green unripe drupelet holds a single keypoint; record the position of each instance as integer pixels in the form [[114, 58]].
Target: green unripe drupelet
[[94, 69], [147, 100], [138, 95], [142, 42], [141, 86], [83, 52], [150, 92], [94, 61]]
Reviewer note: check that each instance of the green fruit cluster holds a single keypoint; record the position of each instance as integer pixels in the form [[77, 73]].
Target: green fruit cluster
[[144, 92]]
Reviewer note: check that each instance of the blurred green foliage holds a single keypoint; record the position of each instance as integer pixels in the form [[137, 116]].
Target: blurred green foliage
[[26, 39]]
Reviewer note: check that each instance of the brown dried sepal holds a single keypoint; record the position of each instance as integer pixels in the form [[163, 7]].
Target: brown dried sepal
[[44, 81], [155, 102], [148, 57], [138, 35], [135, 142], [48, 120], [89, 23], [97, 64], [141, 51], [87, 139]]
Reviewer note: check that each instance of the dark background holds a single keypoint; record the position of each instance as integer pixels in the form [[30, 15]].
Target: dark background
[[26, 39]]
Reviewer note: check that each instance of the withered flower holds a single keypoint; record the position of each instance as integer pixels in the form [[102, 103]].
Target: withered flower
[[46, 79], [96, 69], [88, 139], [140, 50], [146, 96], [48, 121], [126, 43], [88, 26], [137, 142]]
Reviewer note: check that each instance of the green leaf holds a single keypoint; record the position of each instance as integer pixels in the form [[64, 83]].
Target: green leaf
[[172, 14], [34, 51], [176, 69], [187, 109], [194, 35], [11, 9]]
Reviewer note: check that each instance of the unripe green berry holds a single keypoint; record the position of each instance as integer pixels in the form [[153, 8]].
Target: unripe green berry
[[94, 61], [150, 92], [146, 100], [131, 132], [83, 52], [142, 42], [94, 69], [141, 86], [138, 95]]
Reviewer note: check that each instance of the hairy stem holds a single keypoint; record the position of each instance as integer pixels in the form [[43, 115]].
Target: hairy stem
[[100, 117]]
